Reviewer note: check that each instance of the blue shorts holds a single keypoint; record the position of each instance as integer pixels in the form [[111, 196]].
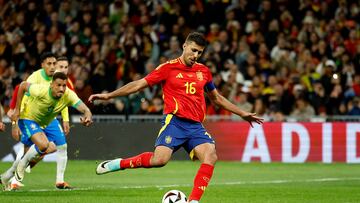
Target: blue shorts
[[178, 132], [53, 132]]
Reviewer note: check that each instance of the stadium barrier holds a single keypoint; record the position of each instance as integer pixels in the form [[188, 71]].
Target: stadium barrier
[[290, 142]]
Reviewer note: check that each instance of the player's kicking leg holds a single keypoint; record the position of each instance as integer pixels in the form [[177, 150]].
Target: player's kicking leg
[[158, 158]]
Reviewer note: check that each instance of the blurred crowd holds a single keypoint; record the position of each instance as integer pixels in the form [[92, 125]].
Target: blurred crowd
[[273, 57]]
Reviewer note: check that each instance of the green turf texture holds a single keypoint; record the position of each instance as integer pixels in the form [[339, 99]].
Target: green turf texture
[[232, 182]]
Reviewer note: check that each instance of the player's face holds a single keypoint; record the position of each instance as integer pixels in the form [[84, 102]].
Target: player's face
[[58, 87], [62, 66], [49, 66], [192, 52]]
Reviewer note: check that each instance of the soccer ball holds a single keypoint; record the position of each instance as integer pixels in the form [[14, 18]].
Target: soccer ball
[[174, 196]]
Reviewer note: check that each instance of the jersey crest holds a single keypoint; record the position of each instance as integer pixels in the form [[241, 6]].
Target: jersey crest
[[168, 139], [199, 75]]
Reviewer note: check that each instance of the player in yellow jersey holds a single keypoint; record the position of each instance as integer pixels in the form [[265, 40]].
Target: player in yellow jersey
[[43, 76], [43, 104]]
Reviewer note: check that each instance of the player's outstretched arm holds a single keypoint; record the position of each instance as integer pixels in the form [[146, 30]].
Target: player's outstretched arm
[[24, 86], [221, 101], [127, 89], [86, 119]]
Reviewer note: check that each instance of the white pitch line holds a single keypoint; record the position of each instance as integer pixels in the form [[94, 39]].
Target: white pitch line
[[189, 185]]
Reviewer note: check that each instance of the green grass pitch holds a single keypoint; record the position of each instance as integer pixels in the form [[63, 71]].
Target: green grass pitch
[[232, 182]]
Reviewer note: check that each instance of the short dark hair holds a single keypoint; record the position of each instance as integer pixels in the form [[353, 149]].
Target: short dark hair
[[59, 75], [196, 37], [62, 58], [46, 55]]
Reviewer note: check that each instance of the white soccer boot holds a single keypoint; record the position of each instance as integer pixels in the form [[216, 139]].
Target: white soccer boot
[[19, 173], [15, 185], [6, 183], [104, 168]]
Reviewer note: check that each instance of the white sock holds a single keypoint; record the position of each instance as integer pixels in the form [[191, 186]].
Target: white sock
[[61, 162], [29, 155], [10, 172]]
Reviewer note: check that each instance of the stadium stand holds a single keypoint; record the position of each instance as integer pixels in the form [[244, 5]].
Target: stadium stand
[[276, 58]]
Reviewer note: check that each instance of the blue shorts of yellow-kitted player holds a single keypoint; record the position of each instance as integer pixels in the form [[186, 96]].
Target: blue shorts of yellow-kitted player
[[53, 132], [177, 132]]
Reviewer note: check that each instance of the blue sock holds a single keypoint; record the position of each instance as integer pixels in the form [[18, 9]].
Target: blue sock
[[113, 165]]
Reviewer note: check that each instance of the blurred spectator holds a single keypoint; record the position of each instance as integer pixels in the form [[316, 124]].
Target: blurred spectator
[[144, 106], [156, 106], [174, 50], [303, 111], [120, 107], [354, 107], [240, 99]]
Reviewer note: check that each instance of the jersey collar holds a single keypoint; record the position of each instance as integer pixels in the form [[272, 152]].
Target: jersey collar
[[43, 74], [180, 61], [51, 96]]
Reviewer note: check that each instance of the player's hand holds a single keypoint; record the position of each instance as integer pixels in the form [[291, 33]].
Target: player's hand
[[66, 126], [86, 121], [15, 115], [2, 126], [251, 117], [98, 97], [15, 131], [10, 113]]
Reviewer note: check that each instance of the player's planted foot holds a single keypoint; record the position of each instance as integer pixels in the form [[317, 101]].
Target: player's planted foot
[[6, 183], [64, 186], [108, 166], [15, 185]]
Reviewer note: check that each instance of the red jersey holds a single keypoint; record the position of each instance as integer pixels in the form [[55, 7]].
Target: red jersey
[[70, 84], [183, 88]]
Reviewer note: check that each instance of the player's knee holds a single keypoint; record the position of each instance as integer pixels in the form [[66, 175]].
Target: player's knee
[[51, 148], [43, 147], [214, 157], [62, 148], [211, 157], [62, 151], [160, 161]]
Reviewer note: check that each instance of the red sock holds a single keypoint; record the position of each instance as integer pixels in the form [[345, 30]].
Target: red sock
[[141, 160], [201, 181]]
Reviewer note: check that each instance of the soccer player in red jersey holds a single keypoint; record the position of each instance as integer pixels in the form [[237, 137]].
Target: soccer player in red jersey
[[62, 65], [184, 82]]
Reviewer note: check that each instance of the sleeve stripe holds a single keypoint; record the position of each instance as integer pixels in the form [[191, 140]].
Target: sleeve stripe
[[28, 90], [77, 104]]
